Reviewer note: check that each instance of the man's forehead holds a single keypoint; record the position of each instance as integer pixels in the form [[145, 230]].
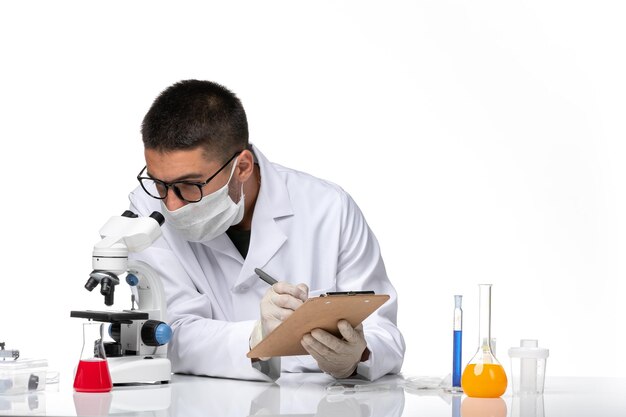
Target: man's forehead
[[172, 164]]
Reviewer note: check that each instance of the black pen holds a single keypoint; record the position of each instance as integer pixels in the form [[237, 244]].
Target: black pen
[[265, 277]]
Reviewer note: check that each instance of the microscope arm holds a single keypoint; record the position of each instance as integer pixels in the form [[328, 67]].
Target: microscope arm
[[151, 294]]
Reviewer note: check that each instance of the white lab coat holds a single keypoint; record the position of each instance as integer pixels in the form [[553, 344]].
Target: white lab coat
[[303, 230]]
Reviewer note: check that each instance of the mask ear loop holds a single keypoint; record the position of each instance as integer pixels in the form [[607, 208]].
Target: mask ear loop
[[232, 173]]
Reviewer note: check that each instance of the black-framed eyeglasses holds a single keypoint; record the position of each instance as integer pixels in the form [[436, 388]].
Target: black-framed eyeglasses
[[190, 192]]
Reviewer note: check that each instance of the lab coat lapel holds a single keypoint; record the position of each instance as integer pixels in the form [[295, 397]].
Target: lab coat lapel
[[272, 206], [223, 244]]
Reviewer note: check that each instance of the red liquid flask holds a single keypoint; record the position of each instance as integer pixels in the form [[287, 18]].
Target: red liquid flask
[[92, 374]]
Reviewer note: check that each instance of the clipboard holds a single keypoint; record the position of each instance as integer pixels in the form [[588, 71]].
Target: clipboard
[[317, 313]]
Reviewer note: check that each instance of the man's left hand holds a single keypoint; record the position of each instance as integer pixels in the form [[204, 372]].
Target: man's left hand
[[337, 357]]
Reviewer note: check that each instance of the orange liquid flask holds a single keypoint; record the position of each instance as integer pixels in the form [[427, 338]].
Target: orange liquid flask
[[483, 407], [484, 377]]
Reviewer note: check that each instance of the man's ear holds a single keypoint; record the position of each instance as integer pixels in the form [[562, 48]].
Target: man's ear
[[245, 165]]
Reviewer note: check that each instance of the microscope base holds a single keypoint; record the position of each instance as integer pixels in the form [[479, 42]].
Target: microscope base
[[139, 370]]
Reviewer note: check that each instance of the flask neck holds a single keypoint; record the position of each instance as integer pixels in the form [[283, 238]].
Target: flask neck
[[484, 330], [93, 347]]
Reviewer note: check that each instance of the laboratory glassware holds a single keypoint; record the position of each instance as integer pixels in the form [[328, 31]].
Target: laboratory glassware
[[457, 344], [92, 374], [484, 376], [484, 407], [528, 367]]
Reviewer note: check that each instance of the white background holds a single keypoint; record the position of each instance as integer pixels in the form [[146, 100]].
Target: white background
[[484, 141]]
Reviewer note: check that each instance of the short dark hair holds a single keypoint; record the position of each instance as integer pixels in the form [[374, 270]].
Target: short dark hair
[[193, 113]]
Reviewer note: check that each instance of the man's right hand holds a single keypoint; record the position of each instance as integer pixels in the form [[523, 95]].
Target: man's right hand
[[279, 302]]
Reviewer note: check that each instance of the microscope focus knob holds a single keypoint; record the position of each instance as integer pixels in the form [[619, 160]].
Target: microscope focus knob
[[132, 280], [155, 333]]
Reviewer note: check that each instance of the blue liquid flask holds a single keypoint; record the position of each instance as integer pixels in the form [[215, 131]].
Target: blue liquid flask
[[457, 344]]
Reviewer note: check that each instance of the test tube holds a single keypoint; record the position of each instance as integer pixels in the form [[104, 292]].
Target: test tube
[[457, 349]]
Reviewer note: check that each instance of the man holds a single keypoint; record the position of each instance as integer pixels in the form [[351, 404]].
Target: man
[[228, 210]]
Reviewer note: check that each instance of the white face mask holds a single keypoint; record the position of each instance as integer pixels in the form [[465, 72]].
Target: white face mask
[[209, 217]]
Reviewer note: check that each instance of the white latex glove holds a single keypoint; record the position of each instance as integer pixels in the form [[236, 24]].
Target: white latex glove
[[278, 303], [335, 356]]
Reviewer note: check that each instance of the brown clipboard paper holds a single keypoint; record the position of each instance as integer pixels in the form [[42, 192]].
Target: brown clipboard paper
[[316, 313]]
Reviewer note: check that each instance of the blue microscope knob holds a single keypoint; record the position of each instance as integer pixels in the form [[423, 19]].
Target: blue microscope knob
[[155, 333], [132, 280], [115, 331], [163, 333]]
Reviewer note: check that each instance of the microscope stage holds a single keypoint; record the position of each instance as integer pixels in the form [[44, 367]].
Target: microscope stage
[[111, 316]]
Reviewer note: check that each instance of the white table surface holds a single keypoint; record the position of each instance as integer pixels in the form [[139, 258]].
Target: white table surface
[[306, 395]]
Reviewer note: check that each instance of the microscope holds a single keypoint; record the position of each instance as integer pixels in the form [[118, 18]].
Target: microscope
[[138, 352]]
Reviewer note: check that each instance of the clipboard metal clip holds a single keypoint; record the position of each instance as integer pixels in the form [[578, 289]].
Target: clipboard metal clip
[[330, 294]]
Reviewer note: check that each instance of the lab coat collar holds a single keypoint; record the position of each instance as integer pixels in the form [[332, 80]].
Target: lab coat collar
[[272, 206], [273, 196]]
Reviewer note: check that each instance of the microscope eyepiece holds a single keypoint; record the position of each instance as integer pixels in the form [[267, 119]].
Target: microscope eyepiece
[[158, 217]]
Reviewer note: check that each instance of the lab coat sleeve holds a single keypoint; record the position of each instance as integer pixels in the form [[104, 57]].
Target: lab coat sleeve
[[200, 345], [360, 267]]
